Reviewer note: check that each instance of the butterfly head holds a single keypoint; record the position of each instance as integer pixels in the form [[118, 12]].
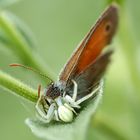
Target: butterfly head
[[54, 90]]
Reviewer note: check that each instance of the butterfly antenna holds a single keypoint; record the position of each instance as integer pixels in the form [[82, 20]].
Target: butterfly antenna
[[32, 69]]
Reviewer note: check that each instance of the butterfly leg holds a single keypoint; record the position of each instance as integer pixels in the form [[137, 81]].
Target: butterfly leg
[[39, 90]]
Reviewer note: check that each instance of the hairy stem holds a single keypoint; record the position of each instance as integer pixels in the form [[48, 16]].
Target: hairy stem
[[17, 87]]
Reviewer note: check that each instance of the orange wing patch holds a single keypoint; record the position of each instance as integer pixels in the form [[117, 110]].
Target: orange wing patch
[[98, 37]]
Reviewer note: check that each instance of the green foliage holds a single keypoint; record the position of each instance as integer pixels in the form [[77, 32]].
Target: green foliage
[[16, 37], [17, 87], [118, 115], [8, 20], [4, 3], [77, 130]]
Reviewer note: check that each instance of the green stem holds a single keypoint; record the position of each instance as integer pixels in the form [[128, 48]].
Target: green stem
[[17, 87]]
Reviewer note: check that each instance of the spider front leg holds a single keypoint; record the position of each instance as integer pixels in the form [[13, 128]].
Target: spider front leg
[[89, 95], [72, 100], [47, 115], [45, 111], [51, 112], [56, 115], [38, 108], [74, 90]]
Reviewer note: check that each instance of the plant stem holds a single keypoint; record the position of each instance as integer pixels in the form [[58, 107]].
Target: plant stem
[[17, 87]]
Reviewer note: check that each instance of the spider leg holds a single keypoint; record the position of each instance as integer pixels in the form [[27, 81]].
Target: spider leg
[[41, 113], [39, 110], [47, 115], [88, 96], [56, 115], [72, 100], [64, 94], [74, 90], [51, 112]]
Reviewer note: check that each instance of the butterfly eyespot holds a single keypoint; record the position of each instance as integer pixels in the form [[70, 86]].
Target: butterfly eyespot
[[108, 27]]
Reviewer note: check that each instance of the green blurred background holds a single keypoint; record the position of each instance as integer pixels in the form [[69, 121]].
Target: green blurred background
[[57, 28]]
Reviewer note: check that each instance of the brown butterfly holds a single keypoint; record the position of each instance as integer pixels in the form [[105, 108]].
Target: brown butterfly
[[80, 79]]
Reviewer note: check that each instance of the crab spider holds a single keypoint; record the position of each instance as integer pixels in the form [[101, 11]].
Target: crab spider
[[63, 107]]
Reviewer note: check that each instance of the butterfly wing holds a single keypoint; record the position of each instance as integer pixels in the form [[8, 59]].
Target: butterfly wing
[[88, 79], [90, 48]]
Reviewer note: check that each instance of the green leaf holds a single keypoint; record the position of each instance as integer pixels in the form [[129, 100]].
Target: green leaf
[[77, 130], [4, 38], [20, 27], [15, 31], [119, 114]]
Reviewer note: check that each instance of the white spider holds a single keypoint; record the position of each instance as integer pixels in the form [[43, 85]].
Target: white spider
[[63, 107]]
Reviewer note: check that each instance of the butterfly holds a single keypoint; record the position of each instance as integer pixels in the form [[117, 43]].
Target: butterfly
[[81, 77]]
